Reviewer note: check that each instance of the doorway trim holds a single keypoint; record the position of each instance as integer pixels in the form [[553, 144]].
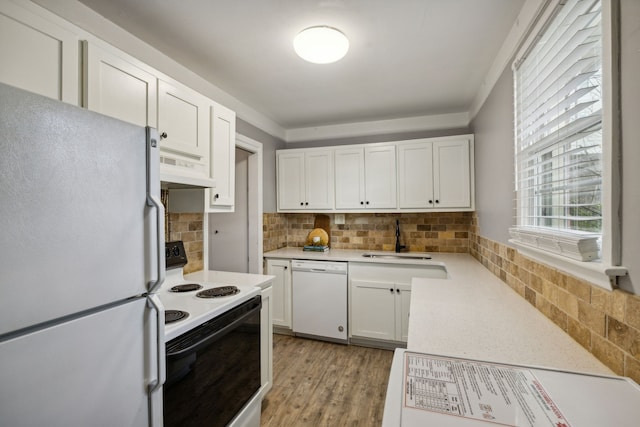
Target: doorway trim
[[254, 204]]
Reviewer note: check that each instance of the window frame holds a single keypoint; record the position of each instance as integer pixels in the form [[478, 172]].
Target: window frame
[[604, 271]]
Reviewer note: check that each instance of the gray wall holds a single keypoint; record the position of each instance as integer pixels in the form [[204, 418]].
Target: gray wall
[[269, 146], [493, 128]]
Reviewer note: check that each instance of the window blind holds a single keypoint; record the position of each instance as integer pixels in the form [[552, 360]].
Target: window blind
[[558, 104]]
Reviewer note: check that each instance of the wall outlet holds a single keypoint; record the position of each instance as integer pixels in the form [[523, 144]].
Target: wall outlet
[[338, 218]]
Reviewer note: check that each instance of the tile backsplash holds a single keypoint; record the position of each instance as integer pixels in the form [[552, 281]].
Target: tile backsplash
[[606, 323], [274, 231], [187, 227], [419, 232]]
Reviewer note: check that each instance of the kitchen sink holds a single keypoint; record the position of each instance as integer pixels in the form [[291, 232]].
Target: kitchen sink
[[396, 256]]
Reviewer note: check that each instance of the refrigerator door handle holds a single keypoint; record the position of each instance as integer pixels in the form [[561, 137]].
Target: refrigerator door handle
[[154, 302], [153, 199], [154, 386], [154, 285]]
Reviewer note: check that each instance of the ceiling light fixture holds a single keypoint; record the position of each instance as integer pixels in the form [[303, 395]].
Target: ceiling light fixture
[[321, 45]]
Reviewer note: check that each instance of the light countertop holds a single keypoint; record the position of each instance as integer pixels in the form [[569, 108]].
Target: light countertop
[[473, 314], [351, 255]]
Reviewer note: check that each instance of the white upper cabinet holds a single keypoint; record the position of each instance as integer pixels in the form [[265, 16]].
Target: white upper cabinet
[[436, 173], [291, 183], [318, 167], [116, 87], [349, 176], [415, 175], [365, 177], [305, 179], [38, 55], [44, 54], [452, 174], [380, 177], [223, 158], [183, 120], [184, 128]]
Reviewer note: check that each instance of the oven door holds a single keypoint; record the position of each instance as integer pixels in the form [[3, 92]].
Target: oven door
[[214, 369]]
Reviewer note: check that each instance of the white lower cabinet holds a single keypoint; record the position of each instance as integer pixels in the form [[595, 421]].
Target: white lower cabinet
[[282, 301], [380, 298], [380, 310], [266, 341], [403, 302]]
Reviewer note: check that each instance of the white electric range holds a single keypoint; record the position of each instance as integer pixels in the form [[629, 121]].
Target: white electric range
[[185, 294], [213, 341]]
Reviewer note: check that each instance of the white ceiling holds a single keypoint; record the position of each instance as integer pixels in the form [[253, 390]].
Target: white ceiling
[[407, 58]]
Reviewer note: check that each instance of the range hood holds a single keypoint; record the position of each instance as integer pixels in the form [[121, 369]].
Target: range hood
[[169, 181], [179, 170]]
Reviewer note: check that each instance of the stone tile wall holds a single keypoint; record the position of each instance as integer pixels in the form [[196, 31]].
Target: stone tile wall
[[420, 232], [605, 323], [188, 228], [274, 231]]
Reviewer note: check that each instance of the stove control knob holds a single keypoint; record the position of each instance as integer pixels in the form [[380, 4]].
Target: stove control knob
[[167, 254], [176, 251]]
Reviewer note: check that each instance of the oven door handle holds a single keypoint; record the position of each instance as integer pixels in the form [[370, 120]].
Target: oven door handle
[[214, 336]]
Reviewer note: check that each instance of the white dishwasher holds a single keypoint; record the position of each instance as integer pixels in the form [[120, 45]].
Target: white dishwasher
[[320, 299]]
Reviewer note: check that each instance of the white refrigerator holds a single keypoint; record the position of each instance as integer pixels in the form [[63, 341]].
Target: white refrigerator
[[82, 238]]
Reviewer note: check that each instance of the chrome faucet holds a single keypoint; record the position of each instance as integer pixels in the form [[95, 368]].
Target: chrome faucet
[[399, 247]]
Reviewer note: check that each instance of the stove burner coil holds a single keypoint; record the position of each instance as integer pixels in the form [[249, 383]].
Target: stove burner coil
[[188, 287], [171, 316], [221, 291]]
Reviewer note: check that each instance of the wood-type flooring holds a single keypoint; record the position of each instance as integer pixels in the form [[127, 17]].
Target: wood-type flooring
[[317, 383]]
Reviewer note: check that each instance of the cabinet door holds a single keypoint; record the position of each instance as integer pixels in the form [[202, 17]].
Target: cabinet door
[[380, 177], [183, 116], [349, 178], [37, 55], [403, 301], [266, 341], [452, 183], [318, 168], [281, 291], [223, 156], [373, 310], [117, 88], [291, 180], [415, 175]]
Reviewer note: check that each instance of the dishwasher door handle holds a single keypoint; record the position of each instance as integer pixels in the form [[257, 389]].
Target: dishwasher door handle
[[317, 270]]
